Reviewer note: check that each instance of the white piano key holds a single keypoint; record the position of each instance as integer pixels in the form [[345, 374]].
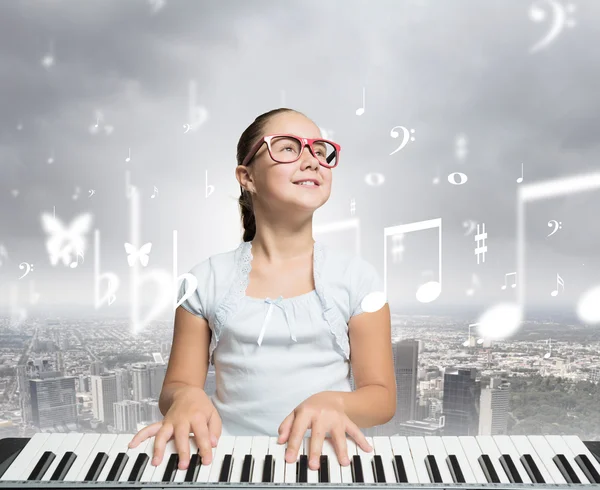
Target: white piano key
[[312, 476], [51, 444], [452, 445], [159, 470], [382, 447], [559, 446], [83, 450], [143, 447], [523, 446], [542, 454], [243, 446], [225, 446], [505, 446], [69, 443], [335, 468], [205, 469], [27, 454], [259, 448], [418, 448], [346, 471], [179, 473], [578, 447], [437, 448], [278, 452], [473, 449], [119, 446], [103, 445], [290, 468], [400, 447]]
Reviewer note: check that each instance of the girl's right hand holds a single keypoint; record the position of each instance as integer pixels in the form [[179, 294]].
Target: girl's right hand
[[191, 411]]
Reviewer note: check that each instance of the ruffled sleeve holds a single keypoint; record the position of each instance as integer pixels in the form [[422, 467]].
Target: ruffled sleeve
[[197, 302], [363, 279]]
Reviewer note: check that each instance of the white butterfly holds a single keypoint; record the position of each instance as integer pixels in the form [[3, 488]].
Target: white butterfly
[[141, 253], [59, 234]]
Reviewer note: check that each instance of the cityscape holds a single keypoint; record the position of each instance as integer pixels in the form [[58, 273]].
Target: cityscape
[[82, 375]]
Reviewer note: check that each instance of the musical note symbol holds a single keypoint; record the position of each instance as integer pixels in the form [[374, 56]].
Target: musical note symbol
[[155, 192], [198, 115], [398, 248], [128, 159], [51, 157], [558, 225], [475, 283], [559, 18], [187, 127], [113, 279], [76, 195], [74, 235], [470, 224], [520, 179], [470, 342], [374, 179], [481, 248], [22, 265], [352, 206], [436, 179], [506, 277], [211, 187], [462, 178], [48, 60], [92, 192], [360, 111], [559, 282], [111, 296], [76, 263], [461, 147], [405, 139]]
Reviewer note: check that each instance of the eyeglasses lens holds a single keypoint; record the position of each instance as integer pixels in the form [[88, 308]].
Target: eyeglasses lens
[[286, 149]]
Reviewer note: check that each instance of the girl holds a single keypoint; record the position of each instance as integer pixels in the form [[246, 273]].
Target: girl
[[277, 316]]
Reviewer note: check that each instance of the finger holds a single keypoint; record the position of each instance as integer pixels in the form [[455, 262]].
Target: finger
[[202, 438], [182, 444], [297, 432], [354, 431], [145, 433], [215, 428], [317, 435], [285, 427], [338, 436], [163, 435]]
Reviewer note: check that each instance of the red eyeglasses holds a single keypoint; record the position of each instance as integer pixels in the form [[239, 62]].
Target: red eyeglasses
[[287, 148]]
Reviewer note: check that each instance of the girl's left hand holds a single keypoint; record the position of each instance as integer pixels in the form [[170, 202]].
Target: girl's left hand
[[322, 413]]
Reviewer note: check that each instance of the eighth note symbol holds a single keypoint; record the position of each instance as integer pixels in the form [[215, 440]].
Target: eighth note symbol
[[559, 282], [128, 159], [361, 110], [155, 192], [520, 179]]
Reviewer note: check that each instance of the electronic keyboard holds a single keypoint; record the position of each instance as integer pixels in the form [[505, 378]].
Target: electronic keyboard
[[78, 460]]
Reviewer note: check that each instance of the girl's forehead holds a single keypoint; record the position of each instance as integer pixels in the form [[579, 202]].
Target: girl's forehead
[[293, 124]]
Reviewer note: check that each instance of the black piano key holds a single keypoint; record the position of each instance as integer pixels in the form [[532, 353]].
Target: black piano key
[[565, 468], [268, 469], [455, 469], [64, 466], [488, 469], [589, 470], [118, 466], [532, 469], [378, 472], [357, 470], [42, 466], [323, 469], [399, 469], [432, 468], [192, 472], [302, 469], [225, 474], [138, 467], [510, 469], [171, 468], [247, 468], [96, 468]]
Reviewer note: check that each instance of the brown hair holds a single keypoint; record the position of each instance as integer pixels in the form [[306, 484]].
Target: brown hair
[[248, 139]]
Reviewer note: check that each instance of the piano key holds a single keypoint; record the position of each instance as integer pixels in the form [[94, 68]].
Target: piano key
[[400, 470], [291, 469], [539, 445], [160, 468], [566, 469], [206, 469], [436, 448], [42, 466], [51, 444], [191, 473], [323, 471], [143, 448], [475, 450], [268, 471], [242, 448], [15, 470], [583, 457], [400, 447], [358, 475], [182, 474], [226, 467], [102, 445], [335, 469], [489, 469], [532, 468], [559, 446], [277, 451], [382, 446], [377, 468], [171, 468], [432, 469], [64, 466], [119, 445], [83, 451], [247, 468], [418, 448], [312, 476], [453, 446], [506, 446], [224, 447], [510, 468], [365, 468], [117, 467], [96, 467], [455, 470], [301, 469], [260, 449], [348, 471], [139, 467], [68, 444]]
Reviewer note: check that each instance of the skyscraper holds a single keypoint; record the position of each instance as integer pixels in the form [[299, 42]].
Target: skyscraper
[[461, 402], [406, 362], [53, 402], [493, 419]]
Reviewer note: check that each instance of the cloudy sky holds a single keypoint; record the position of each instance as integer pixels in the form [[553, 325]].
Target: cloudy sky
[[86, 85]]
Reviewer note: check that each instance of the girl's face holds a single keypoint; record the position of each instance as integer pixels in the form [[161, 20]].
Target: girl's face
[[273, 182]]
